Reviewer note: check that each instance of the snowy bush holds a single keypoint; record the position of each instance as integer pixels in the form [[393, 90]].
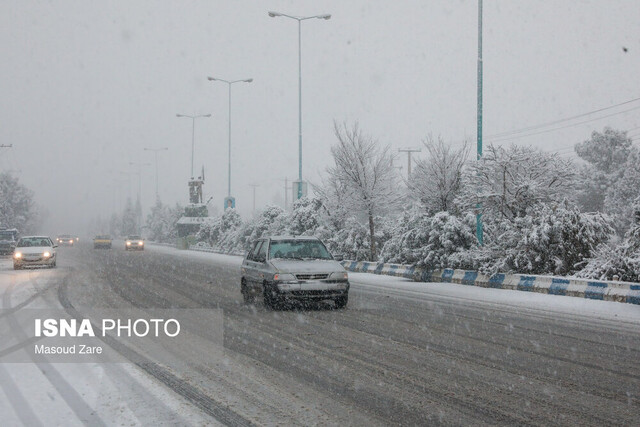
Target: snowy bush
[[306, 217], [17, 208], [430, 241], [547, 240], [222, 232], [621, 262], [270, 221], [161, 222]]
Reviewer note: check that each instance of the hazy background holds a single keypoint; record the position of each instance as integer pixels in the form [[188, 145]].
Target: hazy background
[[86, 85]]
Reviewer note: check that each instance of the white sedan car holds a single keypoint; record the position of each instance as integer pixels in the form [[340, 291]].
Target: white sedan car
[[34, 250]]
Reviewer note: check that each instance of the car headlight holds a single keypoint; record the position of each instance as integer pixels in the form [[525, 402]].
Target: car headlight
[[17, 255], [140, 243], [128, 243], [46, 254], [284, 277], [338, 275]]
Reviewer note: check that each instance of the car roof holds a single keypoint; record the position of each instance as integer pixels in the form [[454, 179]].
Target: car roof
[[35, 237], [291, 238]]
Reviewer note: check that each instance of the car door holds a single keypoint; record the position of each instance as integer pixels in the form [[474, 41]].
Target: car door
[[251, 266], [261, 266]]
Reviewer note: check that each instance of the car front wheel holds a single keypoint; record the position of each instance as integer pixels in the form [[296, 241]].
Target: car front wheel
[[270, 300], [341, 302], [247, 296]]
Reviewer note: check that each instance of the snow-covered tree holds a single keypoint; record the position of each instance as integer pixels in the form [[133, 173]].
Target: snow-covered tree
[[436, 180], [621, 192], [606, 154], [270, 221], [430, 241], [129, 222], [306, 216], [621, 262], [510, 181], [17, 208], [352, 240], [606, 151], [161, 222], [365, 171], [222, 232], [547, 240]]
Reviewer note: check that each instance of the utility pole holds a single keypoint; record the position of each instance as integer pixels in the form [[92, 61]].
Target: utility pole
[[479, 228], [409, 151], [155, 152], [254, 196]]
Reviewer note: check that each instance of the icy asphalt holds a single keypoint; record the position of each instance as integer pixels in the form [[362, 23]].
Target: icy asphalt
[[401, 353]]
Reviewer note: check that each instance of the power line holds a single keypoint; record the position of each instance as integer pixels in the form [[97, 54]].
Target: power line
[[541, 125], [563, 127]]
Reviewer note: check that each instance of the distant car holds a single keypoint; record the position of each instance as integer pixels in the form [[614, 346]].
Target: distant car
[[8, 240], [134, 243], [65, 240], [293, 268], [102, 241], [33, 251]]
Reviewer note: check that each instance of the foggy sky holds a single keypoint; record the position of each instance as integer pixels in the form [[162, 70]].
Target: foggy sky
[[86, 85]]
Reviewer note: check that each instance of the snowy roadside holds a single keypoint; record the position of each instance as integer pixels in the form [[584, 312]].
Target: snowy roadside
[[497, 298]]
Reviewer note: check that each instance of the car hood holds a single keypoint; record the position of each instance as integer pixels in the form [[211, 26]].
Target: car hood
[[306, 266], [35, 249]]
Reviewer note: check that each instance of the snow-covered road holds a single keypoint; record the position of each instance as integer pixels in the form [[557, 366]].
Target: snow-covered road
[[400, 353]]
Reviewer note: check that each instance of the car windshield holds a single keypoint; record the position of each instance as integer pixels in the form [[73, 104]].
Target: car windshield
[[298, 249], [103, 237], [134, 238], [6, 235], [27, 242]]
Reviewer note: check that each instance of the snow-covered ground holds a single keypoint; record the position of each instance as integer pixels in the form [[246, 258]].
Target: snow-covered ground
[[499, 298]]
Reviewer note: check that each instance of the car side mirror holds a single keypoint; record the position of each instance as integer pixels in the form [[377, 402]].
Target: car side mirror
[[55, 246], [338, 257]]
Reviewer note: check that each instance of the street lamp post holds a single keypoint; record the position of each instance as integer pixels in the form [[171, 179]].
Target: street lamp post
[[479, 227], [229, 83], [193, 131], [299, 19], [155, 152]]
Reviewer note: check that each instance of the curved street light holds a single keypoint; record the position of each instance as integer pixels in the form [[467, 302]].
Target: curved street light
[[229, 83], [299, 19], [193, 131]]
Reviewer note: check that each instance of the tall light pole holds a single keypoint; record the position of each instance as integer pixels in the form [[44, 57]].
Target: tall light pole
[[155, 152], [479, 228], [193, 132], [299, 19], [229, 83]]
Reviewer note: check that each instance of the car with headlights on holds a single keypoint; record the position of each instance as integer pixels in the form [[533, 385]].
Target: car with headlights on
[[134, 243], [102, 241], [34, 251], [65, 240], [8, 240], [285, 269]]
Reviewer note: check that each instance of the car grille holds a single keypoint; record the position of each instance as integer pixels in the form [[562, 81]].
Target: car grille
[[311, 276]]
